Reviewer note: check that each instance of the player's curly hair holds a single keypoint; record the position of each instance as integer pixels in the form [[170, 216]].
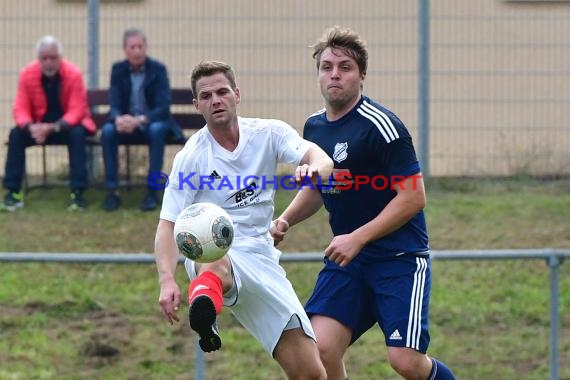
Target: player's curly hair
[[207, 68], [346, 40]]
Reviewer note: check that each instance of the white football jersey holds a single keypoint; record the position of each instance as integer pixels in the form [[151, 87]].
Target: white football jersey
[[243, 181]]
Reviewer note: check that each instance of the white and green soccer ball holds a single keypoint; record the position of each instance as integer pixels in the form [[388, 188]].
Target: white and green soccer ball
[[203, 232]]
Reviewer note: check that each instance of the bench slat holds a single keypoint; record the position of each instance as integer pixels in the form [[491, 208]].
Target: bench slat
[[181, 96], [97, 97]]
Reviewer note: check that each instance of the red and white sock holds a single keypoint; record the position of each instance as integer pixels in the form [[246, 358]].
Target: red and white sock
[[207, 284]]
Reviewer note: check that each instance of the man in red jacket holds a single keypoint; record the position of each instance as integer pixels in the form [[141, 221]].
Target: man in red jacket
[[50, 107]]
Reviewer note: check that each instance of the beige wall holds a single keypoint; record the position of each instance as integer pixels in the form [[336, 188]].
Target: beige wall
[[499, 84]]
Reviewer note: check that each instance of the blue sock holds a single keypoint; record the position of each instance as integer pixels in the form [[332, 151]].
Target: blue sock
[[439, 371]]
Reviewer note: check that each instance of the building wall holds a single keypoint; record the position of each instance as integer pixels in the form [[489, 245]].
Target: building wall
[[499, 77]]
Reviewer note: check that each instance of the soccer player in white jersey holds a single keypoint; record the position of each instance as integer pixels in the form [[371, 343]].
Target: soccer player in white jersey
[[377, 266], [232, 162]]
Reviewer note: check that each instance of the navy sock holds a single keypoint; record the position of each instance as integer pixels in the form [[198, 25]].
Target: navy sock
[[439, 371]]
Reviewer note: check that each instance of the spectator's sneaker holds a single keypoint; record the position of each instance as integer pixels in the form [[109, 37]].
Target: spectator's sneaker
[[76, 201], [150, 201], [112, 201], [13, 201], [202, 317]]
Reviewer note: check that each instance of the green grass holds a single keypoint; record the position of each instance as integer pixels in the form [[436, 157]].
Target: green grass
[[489, 319]]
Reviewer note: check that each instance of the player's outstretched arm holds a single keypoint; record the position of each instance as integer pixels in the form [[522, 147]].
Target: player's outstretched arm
[[314, 164], [409, 200], [317, 166], [307, 202], [166, 257]]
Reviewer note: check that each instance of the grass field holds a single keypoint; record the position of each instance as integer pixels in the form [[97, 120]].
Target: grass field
[[489, 319]]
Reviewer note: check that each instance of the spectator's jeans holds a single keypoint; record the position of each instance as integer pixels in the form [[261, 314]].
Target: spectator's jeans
[[154, 135], [20, 139]]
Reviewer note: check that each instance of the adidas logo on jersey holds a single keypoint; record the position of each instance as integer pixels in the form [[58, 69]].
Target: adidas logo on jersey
[[215, 175], [396, 335]]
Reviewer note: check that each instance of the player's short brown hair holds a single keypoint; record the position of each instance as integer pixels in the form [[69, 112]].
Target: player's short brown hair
[[207, 68], [345, 40]]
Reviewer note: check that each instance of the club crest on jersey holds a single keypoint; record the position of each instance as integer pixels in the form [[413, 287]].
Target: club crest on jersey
[[340, 152]]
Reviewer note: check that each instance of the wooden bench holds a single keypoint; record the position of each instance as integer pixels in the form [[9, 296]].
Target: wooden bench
[[99, 104]]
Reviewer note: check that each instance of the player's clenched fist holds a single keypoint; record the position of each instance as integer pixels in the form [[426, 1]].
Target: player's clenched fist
[[278, 229]]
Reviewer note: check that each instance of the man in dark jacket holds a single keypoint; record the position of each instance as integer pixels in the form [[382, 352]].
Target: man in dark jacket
[[140, 98]]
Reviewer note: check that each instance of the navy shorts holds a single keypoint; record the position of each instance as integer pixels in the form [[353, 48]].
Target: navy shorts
[[392, 292]]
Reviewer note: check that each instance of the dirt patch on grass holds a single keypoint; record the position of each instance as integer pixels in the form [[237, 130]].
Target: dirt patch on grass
[[108, 332], [111, 333]]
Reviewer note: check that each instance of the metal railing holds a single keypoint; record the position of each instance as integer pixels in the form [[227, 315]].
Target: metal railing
[[553, 258]]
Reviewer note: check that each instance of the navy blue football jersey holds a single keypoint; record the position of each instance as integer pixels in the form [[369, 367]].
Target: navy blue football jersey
[[372, 150]]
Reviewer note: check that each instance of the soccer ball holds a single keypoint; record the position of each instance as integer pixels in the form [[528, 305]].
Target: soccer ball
[[203, 232]]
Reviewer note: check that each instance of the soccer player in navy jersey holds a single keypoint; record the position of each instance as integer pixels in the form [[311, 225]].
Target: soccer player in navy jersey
[[377, 266]]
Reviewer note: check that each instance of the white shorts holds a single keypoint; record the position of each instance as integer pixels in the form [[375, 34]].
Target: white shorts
[[263, 300]]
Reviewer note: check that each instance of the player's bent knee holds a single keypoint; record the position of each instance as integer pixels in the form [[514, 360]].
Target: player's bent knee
[[314, 372], [307, 374], [330, 354], [299, 357], [409, 364]]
